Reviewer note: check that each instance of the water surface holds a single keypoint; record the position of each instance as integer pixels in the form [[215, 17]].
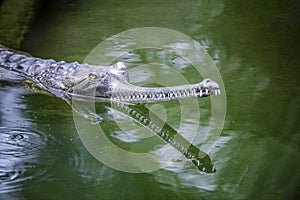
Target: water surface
[[255, 47]]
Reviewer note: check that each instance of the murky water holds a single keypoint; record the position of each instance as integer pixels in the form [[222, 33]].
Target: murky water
[[256, 156]]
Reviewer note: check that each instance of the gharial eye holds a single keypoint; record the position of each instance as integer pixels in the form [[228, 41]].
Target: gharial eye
[[93, 77]]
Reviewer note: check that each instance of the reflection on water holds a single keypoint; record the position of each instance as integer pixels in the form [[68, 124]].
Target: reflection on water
[[145, 119]]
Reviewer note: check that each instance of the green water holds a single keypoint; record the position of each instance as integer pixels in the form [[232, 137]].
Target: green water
[[255, 47]]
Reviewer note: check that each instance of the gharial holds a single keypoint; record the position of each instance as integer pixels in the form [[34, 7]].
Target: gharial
[[108, 83]]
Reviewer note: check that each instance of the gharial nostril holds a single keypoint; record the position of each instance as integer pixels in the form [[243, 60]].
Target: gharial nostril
[[121, 66]]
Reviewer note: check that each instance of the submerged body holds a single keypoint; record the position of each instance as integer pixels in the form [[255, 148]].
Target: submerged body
[[108, 83]]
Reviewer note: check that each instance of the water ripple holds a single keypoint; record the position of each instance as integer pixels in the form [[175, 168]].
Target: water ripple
[[21, 157]]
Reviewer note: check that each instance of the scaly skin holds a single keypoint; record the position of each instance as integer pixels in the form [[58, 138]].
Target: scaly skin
[[108, 83]]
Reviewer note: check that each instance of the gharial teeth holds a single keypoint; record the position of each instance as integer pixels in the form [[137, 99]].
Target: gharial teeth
[[217, 92]]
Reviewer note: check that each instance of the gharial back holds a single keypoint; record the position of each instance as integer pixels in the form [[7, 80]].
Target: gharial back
[[47, 73], [60, 78]]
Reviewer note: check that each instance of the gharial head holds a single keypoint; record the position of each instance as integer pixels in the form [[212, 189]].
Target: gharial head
[[112, 84], [92, 80]]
